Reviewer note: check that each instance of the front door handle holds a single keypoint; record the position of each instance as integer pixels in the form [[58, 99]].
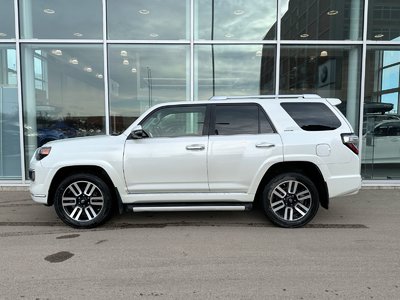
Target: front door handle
[[265, 145], [195, 147]]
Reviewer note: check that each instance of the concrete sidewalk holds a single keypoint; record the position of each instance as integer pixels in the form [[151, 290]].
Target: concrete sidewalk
[[350, 251]]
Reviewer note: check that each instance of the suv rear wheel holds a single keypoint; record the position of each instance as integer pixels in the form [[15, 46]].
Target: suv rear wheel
[[83, 201], [290, 200]]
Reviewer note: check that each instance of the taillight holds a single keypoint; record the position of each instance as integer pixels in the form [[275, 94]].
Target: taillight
[[351, 141], [42, 152]]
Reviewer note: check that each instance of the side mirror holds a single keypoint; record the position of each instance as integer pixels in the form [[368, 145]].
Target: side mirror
[[138, 132]]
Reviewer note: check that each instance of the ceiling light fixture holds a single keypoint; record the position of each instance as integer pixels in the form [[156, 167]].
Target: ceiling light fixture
[[144, 12], [379, 35], [78, 34], [124, 53], [238, 12], [88, 69], [323, 53], [332, 12], [100, 76], [125, 62], [2, 34], [57, 52], [154, 35], [259, 53], [229, 35], [49, 11], [304, 35], [74, 61], [134, 70]]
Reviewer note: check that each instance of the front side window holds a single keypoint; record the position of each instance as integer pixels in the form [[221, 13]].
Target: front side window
[[176, 121], [240, 119]]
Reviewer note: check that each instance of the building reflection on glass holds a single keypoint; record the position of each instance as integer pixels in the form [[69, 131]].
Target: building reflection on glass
[[66, 93], [321, 20], [381, 122], [330, 71]]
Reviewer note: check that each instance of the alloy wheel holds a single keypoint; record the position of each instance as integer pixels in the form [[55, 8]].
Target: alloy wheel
[[291, 200], [82, 201]]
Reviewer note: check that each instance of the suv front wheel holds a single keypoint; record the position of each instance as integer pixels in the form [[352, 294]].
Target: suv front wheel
[[290, 200], [83, 201]]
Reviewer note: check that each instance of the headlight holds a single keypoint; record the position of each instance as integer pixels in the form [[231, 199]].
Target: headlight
[[42, 152]]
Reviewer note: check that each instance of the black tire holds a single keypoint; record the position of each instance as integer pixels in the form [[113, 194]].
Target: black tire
[[290, 200], [83, 201]]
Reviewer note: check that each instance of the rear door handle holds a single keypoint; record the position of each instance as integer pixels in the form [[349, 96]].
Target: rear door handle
[[265, 145], [195, 147]]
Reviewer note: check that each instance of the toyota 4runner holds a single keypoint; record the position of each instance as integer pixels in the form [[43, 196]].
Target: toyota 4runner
[[289, 153]]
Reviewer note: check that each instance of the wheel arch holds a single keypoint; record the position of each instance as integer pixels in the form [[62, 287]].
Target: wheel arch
[[89, 169], [307, 168]]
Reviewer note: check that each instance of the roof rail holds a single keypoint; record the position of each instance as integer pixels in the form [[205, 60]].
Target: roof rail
[[305, 96]]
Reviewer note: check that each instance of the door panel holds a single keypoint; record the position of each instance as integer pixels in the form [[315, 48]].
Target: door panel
[[155, 165], [173, 158], [235, 160], [241, 140]]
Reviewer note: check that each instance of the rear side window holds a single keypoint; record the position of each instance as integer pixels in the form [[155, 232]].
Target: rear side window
[[312, 116], [240, 119]]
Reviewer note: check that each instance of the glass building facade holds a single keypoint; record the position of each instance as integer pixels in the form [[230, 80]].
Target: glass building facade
[[71, 68]]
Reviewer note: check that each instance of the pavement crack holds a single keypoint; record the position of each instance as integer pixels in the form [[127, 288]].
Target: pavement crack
[[68, 236]]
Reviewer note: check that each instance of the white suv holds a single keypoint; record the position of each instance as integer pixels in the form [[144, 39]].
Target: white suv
[[290, 153]]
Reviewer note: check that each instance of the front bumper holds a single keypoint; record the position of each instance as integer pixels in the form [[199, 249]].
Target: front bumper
[[40, 182], [39, 198]]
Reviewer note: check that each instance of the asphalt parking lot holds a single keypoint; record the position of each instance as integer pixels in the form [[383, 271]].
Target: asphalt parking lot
[[351, 251]]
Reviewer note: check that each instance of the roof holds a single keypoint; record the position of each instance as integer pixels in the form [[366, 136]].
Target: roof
[[304, 96]]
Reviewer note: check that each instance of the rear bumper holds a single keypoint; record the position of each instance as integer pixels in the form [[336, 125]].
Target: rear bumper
[[344, 185]]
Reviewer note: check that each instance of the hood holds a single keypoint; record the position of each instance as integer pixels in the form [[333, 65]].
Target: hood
[[98, 139]]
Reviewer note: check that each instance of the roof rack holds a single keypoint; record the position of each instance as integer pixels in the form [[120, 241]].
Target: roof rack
[[305, 96]]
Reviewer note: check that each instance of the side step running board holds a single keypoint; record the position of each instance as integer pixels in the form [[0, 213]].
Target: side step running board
[[189, 207]]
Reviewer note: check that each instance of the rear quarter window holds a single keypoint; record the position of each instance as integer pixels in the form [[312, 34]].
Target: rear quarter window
[[312, 116]]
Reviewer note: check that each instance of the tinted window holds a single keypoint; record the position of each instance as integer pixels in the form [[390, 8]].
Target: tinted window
[[240, 119], [312, 116], [176, 121], [389, 129], [394, 130]]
